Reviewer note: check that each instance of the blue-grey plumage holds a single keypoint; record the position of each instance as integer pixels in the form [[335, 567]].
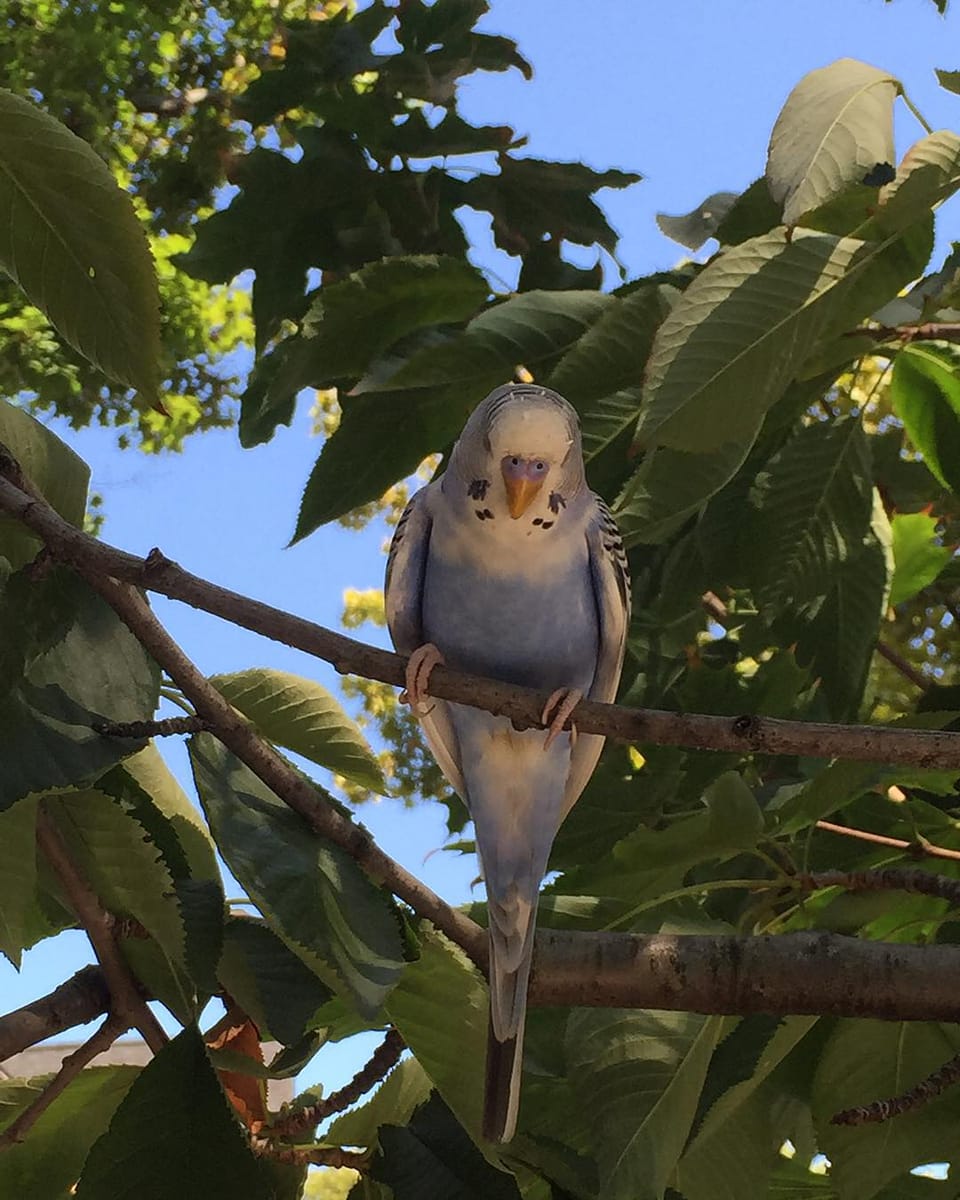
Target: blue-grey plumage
[[511, 568]]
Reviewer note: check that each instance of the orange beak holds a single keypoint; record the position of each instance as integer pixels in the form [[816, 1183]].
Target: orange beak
[[520, 493]]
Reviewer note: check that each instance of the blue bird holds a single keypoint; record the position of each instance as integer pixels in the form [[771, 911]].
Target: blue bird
[[510, 567]]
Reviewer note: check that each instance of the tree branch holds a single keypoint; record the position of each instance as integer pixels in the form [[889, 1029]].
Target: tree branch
[[76, 1002], [740, 735], [918, 849], [922, 1093], [126, 1002], [383, 1060], [70, 1068]]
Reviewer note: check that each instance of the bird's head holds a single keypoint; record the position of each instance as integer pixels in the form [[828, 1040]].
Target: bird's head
[[525, 440]]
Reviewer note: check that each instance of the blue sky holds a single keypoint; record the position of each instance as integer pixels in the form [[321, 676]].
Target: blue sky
[[683, 92]]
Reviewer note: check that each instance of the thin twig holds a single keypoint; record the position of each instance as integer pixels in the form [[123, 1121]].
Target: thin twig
[[907, 670], [886, 879], [922, 1093], [939, 331], [148, 729], [70, 1068], [920, 848], [524, 706], [317, 1156], [384, 1059], [126, 1002]]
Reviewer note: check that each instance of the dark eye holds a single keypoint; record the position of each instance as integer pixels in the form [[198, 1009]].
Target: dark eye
[[515, 461], [540, 466]]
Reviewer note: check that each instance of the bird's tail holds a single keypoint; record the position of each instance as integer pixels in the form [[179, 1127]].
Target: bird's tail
[[512, 918]]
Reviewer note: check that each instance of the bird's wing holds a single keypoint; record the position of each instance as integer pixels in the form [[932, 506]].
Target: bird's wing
[[610, 573], [403, 600]]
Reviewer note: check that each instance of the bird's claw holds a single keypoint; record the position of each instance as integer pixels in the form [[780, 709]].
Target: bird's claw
[[557, 709], [419, 665]]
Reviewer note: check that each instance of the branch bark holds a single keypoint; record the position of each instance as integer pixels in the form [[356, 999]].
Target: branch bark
[[740, 735], [76, 1002]]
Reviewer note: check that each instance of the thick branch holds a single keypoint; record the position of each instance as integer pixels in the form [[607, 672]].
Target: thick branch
[[82, 998], [740, 735], [816, 973], [126, 1002]]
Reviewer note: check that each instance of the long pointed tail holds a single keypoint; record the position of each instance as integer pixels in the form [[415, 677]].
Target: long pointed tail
[[512, 920]]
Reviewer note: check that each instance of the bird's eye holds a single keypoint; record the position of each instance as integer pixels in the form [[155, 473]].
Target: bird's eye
[[515, 461], [540, 466]]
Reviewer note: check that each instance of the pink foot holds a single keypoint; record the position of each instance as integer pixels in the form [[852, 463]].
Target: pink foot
[[561, 704], [419, 665]]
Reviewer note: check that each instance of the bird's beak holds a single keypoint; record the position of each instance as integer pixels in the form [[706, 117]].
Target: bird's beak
[[520, 493]]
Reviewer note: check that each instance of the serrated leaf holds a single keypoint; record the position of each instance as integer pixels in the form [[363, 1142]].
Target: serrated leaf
[[925, 392], [311, 893], [639, 1075], [918, 558], [927, 175], [173, 1135], [440, 1007], [811, 510], [69, 237], [865, 1061], [125, 868], [66, 662], [839, 641], [48, 1161], [433, 1156], [304, 717], [393, 1103], [732, 1162], [670, 487], [18, 877], [269, 981], [835, 127], [695, 227], [60, 475]]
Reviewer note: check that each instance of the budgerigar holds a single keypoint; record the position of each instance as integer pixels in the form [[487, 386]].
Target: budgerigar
[[509, 566]]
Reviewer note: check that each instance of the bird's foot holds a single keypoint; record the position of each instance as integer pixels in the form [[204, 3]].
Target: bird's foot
[[419, 665], [561, 704]]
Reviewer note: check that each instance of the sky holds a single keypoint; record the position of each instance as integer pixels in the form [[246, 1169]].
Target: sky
[[683, 92]]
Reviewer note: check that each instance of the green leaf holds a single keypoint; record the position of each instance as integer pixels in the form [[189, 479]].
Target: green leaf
[[113, 851], [69, 237], [744, 327], [352, 322], [811, 509], [18, 877], [835, 127], [528, 329], [670, 487], [840, 639], [60, 475], [433, 1156], [639, 1076], [175, 1134], [48, 1161], [440, 1007], [918, 558], [393, 1103], [694, 228], [397, 418], [66, 662], [925, 391], [754, 212], [928, 174], [873, 1060], [949, 80], [312, 894], [733, 1161], [269, 981], [304, 717]]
